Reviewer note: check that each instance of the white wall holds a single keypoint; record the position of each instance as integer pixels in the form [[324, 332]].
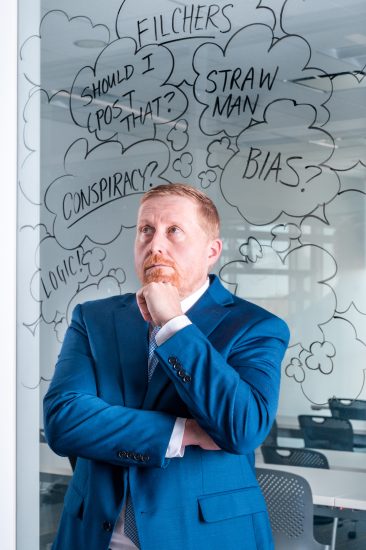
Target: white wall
[[8, 145]]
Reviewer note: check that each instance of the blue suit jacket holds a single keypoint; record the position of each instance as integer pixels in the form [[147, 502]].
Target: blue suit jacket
[[223, 370]]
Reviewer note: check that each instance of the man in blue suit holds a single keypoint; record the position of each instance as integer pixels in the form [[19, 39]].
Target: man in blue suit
[[164, 395]]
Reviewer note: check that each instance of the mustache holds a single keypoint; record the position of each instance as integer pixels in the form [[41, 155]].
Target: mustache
[[157, 259]]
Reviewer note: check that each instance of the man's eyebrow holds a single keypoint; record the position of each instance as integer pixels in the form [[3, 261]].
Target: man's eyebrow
[[144, 221]]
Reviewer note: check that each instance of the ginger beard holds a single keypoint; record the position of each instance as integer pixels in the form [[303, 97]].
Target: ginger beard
[[158, 269]]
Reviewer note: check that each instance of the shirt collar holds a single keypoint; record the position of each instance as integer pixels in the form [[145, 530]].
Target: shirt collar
[[188, 302]]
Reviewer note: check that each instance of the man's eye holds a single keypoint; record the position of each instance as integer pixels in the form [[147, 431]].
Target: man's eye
[[174, 229], [146, 230]]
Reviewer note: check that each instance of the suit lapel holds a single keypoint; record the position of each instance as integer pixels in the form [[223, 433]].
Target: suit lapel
[[210, 310], [207, 313], [132, 339]]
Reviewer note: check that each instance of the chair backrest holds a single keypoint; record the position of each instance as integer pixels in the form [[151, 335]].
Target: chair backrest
[[347, 408], [290, 506], [271, 438], [326, 432], [292, 456]]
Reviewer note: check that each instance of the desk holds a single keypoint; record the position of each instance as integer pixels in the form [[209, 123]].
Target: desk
[[353, 498], [345, 460]]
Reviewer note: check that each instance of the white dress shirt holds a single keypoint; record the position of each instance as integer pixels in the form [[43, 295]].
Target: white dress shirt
[[119, 541]]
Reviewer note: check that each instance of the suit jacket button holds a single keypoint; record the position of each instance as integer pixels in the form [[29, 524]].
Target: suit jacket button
[[122, 454], [172, 360], [130, 454], [177, 366], [181, 373], [187, 378], [107, 526], [136, 456]]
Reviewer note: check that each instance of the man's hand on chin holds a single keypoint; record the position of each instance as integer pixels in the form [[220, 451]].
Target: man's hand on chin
[[159, 302]]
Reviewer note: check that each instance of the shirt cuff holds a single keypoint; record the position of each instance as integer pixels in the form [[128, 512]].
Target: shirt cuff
[[171, 327], [175, 448]]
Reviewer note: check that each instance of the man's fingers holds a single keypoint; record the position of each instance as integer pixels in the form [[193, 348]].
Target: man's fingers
[[159, 302], [141, 302]]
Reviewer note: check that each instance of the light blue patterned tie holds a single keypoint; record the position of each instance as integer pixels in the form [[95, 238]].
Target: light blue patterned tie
[[130, 522], [153, 360]]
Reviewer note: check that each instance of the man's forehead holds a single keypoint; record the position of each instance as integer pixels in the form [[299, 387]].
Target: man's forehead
[[167, 206]]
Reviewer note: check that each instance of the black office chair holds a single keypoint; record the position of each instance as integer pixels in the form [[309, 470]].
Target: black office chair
[[271, 438], [293, 456], [326, 432], [290, 506], [351, 409]]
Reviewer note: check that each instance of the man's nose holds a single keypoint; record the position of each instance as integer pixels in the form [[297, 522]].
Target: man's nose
[[158, 242]]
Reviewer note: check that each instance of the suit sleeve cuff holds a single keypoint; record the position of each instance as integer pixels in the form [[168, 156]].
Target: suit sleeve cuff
[[171, 327], [175, 448]]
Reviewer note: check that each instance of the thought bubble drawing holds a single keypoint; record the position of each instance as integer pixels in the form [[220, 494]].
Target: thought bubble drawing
[[353, 179], [94, 260], [328, 50], [48, 130], [219, 153], [206, 178], [357, 319], [348, 365], [251, 250], [184, 26], [347, 108], [29, 171], [118, 274], [60, 329], [236, 84], [105, 288], [60, 272], [295, 370], [127, 91], [265, 178], [28, 240], [60, 44], [101, 189], [283, 234], [178, 135], [109, 285], [321, 357], [341, 236], [183, 165], [267, 283]]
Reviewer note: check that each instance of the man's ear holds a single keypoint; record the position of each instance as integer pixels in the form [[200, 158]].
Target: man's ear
[[215, 249]]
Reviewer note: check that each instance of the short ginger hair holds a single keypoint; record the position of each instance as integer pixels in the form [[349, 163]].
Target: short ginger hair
[[208, 212]]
